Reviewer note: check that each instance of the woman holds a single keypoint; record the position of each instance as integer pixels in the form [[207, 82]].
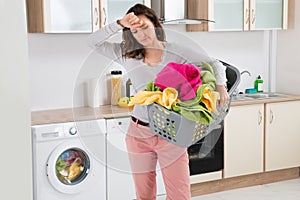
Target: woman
[[144, 52]]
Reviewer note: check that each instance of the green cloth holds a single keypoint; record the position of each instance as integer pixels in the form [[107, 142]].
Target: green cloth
[[208, 76], [151, 87], [193, 109]]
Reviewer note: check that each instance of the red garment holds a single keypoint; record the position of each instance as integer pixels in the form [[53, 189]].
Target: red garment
[[185, 78], [144, 152]]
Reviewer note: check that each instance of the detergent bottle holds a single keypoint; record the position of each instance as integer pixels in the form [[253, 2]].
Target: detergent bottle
[[258, 84]]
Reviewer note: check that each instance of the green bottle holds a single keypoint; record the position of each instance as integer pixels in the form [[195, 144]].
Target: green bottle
[[258, 84]]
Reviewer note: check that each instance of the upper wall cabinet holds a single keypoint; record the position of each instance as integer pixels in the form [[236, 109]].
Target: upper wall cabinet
[[268, 14], [75, 16], [238, 15], [63, 16], [111, 10]]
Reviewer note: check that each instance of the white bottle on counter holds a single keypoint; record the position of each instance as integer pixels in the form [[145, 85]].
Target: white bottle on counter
[[93, 93]]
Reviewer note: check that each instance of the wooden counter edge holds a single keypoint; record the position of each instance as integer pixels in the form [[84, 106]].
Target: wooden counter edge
[[265, 100], [108, 111], [77, 114]]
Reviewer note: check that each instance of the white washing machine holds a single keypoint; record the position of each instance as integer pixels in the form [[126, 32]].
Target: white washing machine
[[69, 161]]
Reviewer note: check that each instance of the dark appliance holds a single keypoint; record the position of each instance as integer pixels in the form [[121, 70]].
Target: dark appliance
[[208, 154]]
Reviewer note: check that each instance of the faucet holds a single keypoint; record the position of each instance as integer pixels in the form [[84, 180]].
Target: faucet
[[246, 71], [236, 91]]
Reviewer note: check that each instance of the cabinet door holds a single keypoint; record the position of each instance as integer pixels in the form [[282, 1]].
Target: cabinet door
[[268, 14], [120, 183], [238, 15], [118, 167], [62, 16], [111, 10], [228, 15], [243, 140], [282, 135]]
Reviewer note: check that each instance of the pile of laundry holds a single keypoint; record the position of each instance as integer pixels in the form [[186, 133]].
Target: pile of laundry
[[69, 165], [183, 88]]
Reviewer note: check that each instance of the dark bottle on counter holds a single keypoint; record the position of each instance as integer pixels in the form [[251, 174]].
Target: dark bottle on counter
[[128, 87]]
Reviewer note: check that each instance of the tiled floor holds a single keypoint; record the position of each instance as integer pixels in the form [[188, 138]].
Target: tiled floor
[[284, 190]]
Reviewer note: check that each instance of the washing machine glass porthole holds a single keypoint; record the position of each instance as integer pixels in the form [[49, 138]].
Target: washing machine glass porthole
[[72, 166]]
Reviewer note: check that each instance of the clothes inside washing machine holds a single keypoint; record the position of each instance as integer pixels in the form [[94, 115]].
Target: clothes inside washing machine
[[72, 166]]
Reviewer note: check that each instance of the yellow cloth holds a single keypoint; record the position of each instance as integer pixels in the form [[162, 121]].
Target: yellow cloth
[[167, 98], [209, 98]]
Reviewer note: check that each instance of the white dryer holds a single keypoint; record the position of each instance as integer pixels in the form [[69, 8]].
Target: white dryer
[[69, 161]]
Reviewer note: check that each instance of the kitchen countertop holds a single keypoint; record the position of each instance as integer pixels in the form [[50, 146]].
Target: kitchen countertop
[[77, 114], [108, 111], [287, 97]]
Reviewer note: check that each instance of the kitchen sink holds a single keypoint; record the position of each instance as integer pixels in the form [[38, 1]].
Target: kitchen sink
[[255, 96], [265, 95], [241, 98]]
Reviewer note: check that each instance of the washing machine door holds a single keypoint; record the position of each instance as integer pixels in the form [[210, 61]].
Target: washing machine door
[[69, 167]]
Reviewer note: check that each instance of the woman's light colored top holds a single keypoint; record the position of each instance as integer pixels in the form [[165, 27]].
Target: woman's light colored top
[[138, 71]]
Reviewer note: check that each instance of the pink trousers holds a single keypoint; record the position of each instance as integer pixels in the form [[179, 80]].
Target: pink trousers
[[144, 150]]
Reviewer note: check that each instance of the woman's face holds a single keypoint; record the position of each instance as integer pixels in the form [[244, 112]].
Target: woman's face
[[145, 32]]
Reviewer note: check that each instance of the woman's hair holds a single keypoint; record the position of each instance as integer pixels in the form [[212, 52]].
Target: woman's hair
[[130, 47]]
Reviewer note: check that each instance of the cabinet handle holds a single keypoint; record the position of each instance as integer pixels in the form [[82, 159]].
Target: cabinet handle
[[247, 16], [271, 116], [104, 13], [253, 17], [259, 117], [96, 16]]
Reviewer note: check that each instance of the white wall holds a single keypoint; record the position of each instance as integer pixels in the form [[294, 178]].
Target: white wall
[[56, 62], [288, 59], [15, 142], [245, 50]]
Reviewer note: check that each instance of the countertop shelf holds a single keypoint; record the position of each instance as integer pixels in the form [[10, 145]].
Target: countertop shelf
[[78, 114], [109, 111]]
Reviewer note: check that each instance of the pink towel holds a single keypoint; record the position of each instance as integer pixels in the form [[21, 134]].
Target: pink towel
[[185, 78]]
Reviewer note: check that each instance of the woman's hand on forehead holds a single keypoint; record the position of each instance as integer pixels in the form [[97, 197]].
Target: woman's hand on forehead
[[136, 22], [141, 24], [133, 19], [133, 22]]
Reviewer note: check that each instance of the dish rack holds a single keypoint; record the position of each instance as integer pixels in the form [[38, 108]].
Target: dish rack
[[183, 132]]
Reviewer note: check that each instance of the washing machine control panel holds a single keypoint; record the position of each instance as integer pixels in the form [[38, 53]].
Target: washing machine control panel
[[72, 130]]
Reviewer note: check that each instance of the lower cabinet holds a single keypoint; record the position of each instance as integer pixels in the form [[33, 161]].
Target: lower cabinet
[[282, 139], [261, 137], [120, 183], [244, 140]]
